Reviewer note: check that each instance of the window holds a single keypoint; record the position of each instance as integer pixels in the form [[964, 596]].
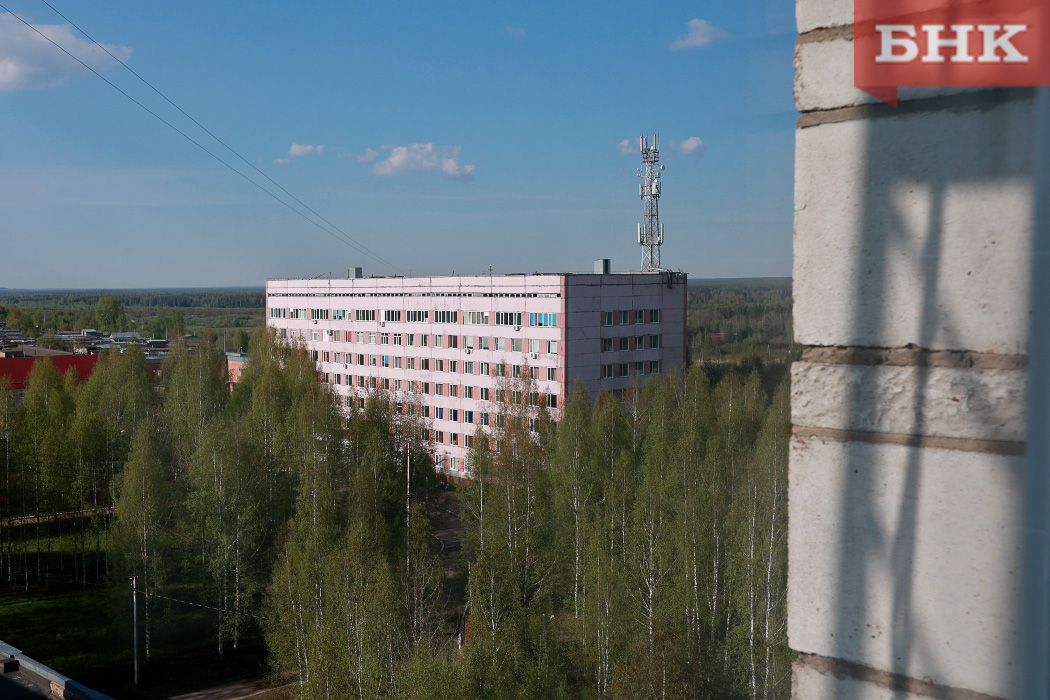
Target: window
[[624, 369], [339, 314], [639, 368], [468, 342], [552, 374], [654, 316], [438, 341], [439, 365], [384, 339], [625, 343], [313, 335], [654, 341], [639, 316], [543, 319], [438, 435], [483, 343], [349, 400], [532, 424], [360, 336], [425, 411], [371, 382], [276, 313], [386, 384], [445, 316], [361, 403], [313, 355], [534, 346], [515, 344], [508, 318], [517, 371], [654, 367], [297, 313], [608, 318], [552, 400], [485, 419], [607, 344], [468, 368], [418, 316], [392, 315], [319, 314], [454, 439], [371, 338], [500, 422], [439, 413], [484, 369], [397, 385], [453, 341], [386, 360], [625, 318], [452, 364], [397, 362], [372, 360], [437, 389], [424, 340], [552, 347], [361, 381], [453, 415], [284, 333], [365, 314], [397, 338], [424, 364], [501, 344], [476, 318], [411, 363], [639, 342], [468, 392], [453, 389], [325, 378], [410, 339], [468, 441], [485, 394], [326, 357], [607, 371]]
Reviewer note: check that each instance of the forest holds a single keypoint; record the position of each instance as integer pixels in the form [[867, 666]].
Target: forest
[[635, 549], [731, 319]]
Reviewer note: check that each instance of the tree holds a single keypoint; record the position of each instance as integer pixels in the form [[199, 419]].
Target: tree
[[109, 314]]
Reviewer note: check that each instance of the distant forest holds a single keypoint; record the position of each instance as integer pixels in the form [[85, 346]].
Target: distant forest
[[730, 319], [156, 312]]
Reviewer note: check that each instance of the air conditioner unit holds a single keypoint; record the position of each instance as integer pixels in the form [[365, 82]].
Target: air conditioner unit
[[466, 350], [532, 355], [382, 324], [315, 321], [344, 366], [517, 328]]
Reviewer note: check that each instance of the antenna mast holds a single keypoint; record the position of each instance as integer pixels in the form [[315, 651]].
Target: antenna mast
[[651, 231]]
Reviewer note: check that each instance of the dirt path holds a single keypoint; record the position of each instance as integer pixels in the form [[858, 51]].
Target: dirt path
[[232, 690]]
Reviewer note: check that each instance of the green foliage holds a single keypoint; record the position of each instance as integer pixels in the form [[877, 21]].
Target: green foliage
[[109, 315], [726, 321]]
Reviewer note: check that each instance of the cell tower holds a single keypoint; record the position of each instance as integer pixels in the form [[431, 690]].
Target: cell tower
[[651, 231]]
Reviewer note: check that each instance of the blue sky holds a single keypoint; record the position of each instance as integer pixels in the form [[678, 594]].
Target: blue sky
[[444, 136]]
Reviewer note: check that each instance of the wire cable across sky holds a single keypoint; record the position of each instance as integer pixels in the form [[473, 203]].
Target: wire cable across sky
[[328, 227]]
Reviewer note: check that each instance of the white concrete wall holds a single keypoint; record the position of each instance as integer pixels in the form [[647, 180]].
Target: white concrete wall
[[912, 237]]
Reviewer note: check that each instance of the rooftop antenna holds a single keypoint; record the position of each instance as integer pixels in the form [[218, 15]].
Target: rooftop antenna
[[651, 231]]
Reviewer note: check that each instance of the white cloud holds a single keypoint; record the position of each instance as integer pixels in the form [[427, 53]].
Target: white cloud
[[299, 150], [701, 33], [28, 60], [626, 147], [280, 161], [515, 31], [424, 158], [690, 145], [368, 156]]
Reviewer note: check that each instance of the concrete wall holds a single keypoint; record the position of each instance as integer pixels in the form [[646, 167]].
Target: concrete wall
[[912, 238]]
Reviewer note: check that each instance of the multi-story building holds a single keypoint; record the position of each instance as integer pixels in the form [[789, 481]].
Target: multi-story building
[[445, 344]]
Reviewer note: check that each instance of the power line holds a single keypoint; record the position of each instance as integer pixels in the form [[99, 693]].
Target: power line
[[346, 238]]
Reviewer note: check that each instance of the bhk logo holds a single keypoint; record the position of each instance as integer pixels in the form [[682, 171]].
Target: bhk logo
[[930, 43]]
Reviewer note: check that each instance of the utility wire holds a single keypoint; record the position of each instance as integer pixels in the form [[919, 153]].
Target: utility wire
[[345, 237]]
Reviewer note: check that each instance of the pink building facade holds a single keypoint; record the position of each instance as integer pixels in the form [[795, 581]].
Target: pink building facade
[[444, 343]]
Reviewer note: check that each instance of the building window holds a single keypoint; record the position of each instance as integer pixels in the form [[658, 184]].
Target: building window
[[454, 439], [485, 419], [410, 339], [411, 363], [319, 314], [424, 364], [485, 394], [386, 360], [483, 342], [624, 369], [424, 339], [397, 363], [313, 335], [534, 346], [607, 371], [654, 341], [543, 319], [639, 316], [418, 316], [371, 338], [552, 400], [453, 389], [508, 318], [425, 411], [501, 344], [397, 385], [325, 356], [439, 413], [468, 392], [484, 369], [625, 343], [437, 389], [452, 364], [438, 341], [607, 344], [392, 315], [552, 374], [654, 367], [339, 314], [445, 316], [532, 424], [476, 318], [453, 341], [384, 339], [552, 347], [608, 320], [276, 313], [284, 334], [386, 383], [439, 436], [297, 313], [453, 415], [397, 338], [365, 314], [468, 368], [439, 365], [360, 336], [515, 344], [372, 360], [517, 371], [361, 403], [639, 368], [625, 318], [654, 316]]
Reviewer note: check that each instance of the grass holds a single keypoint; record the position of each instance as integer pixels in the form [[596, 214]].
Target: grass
[[86, 633]]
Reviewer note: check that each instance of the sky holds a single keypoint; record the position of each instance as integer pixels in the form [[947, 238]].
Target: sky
[[442, 137]]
